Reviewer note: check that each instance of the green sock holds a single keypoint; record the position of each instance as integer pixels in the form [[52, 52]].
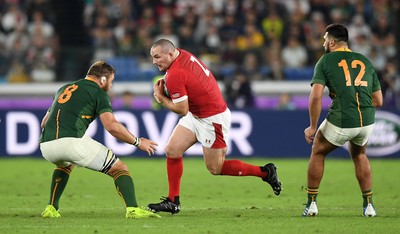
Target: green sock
[[125, 188], [367, 197], [312, 194], [58, 183]]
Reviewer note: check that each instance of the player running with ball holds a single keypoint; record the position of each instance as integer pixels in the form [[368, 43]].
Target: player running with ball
[[194, 94]]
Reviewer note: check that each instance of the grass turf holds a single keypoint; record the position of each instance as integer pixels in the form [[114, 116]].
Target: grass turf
[[210, 204]]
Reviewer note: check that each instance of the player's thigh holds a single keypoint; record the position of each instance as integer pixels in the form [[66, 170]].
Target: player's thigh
[[358, 145], [84, 152], [214, 158], [321, 146], [212, 132], [55, 152], [333, 134], [95, 156], [181, 140], [356, 150], [59, 151]]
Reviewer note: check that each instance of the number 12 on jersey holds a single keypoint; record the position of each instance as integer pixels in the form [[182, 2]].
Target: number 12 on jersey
[[358, 81]]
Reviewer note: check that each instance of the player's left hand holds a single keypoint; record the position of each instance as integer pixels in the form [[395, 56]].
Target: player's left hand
[[158, 90], [309, 134]]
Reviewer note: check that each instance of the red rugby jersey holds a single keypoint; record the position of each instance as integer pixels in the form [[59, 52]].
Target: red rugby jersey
[[188, 78]]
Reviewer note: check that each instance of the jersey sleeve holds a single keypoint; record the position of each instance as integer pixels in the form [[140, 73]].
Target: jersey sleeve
[[176, 85], [103, 103], [319, 75], [375, 82]]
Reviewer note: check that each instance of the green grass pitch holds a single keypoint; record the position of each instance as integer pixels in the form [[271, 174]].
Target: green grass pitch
[[210, 204]]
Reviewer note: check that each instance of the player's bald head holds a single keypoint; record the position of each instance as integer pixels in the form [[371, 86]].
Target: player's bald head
[[165, 45]]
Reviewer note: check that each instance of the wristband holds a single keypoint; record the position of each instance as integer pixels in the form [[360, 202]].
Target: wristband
[[136, 142]]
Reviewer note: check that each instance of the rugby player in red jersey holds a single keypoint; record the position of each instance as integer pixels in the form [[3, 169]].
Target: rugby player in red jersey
[[193, 93]]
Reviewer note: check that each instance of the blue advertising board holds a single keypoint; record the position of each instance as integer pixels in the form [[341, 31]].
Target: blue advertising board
[[261, 133]]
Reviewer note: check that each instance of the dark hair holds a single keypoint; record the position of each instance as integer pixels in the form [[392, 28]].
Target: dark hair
[[338, 32], [100, 68]]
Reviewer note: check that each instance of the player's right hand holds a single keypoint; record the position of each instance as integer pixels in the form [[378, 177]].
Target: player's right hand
[[309, 134], [148, 146]]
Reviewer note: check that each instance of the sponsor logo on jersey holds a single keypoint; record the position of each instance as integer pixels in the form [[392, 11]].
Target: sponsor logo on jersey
[[175, 95]]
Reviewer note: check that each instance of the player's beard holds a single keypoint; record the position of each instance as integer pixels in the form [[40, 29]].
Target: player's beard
[[107, 88], [327, 50]]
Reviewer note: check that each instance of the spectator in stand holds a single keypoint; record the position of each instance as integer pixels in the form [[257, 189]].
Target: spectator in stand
[[391, 85], [40, 59], [322, 6], [3, 57], [103, 39], [183, 6], [362, 45], [364, 9], [42, 6], [186, 39], [211, 42], [17, 44], [251, 39], [383, 36], [123, 34], [359, 27], [336, 15], [298, 7], [231, 7], [147, 19], [285, 102], [13, 18], [378, 58], [15, 54], [127, 100], [206, 19], [167, 29], [294, 54], [189, 19], [229, 28], [273, 25], [313, 29], [91, 11], [294, 28], [239, 93], [142, 42], [39, 24], [251, 66], [273, 61], [344, 8]]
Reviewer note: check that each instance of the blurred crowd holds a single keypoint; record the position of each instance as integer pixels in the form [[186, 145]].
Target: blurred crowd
[[240, 40]]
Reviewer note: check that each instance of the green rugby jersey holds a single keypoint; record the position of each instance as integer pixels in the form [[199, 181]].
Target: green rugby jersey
[[74, 107], [351, 80]]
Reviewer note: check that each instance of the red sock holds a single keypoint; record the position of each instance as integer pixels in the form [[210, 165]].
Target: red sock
[[174, 171], [239, 168]]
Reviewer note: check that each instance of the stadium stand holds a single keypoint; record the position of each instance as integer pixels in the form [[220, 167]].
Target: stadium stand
[[121, 32]]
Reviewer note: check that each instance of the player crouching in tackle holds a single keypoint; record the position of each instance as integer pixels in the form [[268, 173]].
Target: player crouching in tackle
[[194, 94], [63, 141]]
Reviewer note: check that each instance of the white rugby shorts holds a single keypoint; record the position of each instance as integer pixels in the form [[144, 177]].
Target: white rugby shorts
[[339, 136], [211, 132], [84, 152]]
